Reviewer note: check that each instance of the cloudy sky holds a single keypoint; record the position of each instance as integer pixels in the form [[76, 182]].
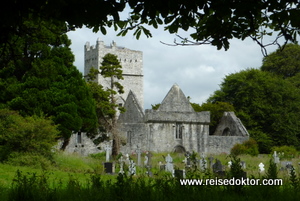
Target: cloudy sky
[[198, 70]]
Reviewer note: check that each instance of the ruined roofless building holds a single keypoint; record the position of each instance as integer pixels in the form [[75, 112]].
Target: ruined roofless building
[[174, 126], [132, 66]]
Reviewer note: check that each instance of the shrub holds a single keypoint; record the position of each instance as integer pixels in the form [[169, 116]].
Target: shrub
[[238, 149], [289, 151], [31, 134], [249, 147], [29, 159]]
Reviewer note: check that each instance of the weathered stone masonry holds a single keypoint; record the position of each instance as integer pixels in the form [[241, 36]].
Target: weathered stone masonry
[[174, 126], [132, 66]]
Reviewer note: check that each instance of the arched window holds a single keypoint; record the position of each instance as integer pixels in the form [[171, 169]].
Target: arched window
[[226, 132]]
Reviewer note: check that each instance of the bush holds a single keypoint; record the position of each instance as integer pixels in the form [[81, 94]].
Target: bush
[[29, 159], [288, 151], [31, 134], [249, 147]]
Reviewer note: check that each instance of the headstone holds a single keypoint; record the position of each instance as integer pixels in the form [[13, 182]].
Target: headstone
[[243, 164], [121, 161], [229, 164], [211, 159], [169, 163], [217, 167], [138, 151], [146, 161], [149, 165], [286, 165], [132, 168], [179, 174], [276, 158], [261, 167], [107, 149], [127, 160], [187, 160], [108, 167], [149, 155], [161, 166], [203, 164]]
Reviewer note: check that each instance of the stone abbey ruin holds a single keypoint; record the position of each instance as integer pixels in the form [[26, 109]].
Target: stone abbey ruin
[[173, 127]]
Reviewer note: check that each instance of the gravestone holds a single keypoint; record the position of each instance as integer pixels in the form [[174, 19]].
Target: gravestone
[[109, 168], [229, 164], [243, 164], [161, 166], [107, 149], [138, 151], [149, 165], [127, 160], [146, 161], [211, 159], [261, 167], [179, 174], [276, 158], [187, 160], [169, 163], [203, 164], [132, 168], [285, 165], [121, 161], [217, 167]]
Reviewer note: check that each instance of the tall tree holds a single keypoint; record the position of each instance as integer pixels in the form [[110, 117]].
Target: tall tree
[[268, 106], [284, 63], [211, 22], [39, 78], [111, 68]]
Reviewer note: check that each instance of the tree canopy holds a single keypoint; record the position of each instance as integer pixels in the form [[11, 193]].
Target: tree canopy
[[285, 63], [267, 105], [38, 78], [211, 22]]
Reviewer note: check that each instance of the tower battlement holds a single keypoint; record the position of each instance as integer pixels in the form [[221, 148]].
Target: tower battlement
[[132, 66]]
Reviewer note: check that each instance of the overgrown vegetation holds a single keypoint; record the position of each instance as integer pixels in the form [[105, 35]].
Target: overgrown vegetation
[[49, 185], [248, 147]]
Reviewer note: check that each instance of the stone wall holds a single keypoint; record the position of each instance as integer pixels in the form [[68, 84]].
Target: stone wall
[[223, 144], [81, 144]]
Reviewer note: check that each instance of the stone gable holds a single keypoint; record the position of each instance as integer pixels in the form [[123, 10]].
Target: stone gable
[[175, 101]]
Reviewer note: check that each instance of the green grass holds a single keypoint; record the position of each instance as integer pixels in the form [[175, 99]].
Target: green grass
[[73, 177]]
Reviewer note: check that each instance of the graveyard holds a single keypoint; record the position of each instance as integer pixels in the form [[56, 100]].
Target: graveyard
[[150, 176]]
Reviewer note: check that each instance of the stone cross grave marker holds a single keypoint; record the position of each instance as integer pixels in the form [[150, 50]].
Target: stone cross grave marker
[[132, 168], [149, 163], [261, 167], [169, 163], [138, 151], [107, 149]]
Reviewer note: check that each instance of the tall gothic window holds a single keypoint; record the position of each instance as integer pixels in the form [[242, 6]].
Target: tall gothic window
[[179, 131], [79, 138], [129, 136]]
